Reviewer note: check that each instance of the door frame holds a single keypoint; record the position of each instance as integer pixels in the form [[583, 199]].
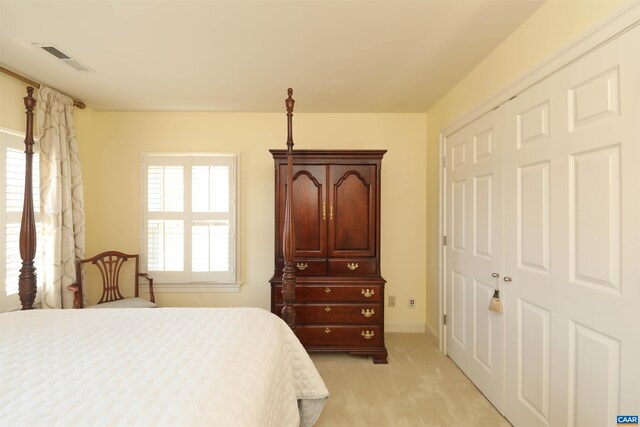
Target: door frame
[[622, 20]]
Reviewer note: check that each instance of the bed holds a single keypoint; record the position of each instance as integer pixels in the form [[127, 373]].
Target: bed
[[176, 366]]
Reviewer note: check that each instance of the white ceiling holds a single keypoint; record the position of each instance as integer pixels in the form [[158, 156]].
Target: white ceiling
[[180, 55]]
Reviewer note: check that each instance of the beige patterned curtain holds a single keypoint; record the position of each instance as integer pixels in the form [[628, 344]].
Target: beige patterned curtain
[[61, 197]]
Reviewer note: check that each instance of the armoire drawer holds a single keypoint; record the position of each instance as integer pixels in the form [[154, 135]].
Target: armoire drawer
[[336, 313], [352, 267], [338, 335], [364, 293], [306, 267]]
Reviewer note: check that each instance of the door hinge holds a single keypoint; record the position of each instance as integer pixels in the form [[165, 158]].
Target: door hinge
[[444, 161], [444, 240], [444, 319]]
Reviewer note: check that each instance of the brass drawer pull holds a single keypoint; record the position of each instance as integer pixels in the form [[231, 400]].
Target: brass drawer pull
[[327, 308], [367, 312], [324, 210], [302, 265], [327, 290], [352, 265], [367, 334], [327, 331], [367, 293]]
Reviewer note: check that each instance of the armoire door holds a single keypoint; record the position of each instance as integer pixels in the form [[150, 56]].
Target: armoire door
[[572, 174], [352, 211], [310, 210], [473, 253]]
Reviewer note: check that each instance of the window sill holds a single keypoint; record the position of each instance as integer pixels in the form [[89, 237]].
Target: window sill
[[191, 287]]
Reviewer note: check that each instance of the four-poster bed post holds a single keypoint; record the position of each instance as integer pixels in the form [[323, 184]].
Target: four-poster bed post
[[288, 243], [27, 287]]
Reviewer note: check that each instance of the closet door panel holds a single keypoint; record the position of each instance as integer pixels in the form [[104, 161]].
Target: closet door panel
[[571, 236], [473, 229], [531, 208], [533, 216], [601, 282]]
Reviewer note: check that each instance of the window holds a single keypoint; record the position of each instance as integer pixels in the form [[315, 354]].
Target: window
[[12, 159], [189, 218]]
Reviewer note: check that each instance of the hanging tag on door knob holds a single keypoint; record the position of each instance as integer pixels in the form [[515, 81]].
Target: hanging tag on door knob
[[495, 304]]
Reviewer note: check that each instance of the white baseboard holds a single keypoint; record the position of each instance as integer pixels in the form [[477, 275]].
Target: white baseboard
[[404, 327], [431, 334]]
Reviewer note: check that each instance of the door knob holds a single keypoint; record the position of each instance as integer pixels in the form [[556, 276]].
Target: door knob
[[496, 275], [507, 279]]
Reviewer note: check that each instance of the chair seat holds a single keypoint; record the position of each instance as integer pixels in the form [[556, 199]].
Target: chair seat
[[126, 303]]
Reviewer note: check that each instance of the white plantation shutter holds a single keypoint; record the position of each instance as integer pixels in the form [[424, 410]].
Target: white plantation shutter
[[210, 246], [210, 186], [165, 245], [165, 219], [11, 200], [189, 218], [165, 188]]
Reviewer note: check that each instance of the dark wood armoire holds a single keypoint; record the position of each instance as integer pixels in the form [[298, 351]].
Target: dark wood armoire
[[339, 296]]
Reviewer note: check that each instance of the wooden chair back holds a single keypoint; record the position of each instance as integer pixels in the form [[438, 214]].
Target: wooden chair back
[[109, 265]]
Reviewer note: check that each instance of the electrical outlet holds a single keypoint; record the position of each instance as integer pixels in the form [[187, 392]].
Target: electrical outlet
[[412, 303], [392, 301]]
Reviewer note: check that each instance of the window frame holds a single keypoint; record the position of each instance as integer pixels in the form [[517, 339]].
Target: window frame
[[187, 280], [15, 140]]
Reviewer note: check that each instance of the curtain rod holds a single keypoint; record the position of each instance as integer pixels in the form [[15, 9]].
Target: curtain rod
[[81, 105]]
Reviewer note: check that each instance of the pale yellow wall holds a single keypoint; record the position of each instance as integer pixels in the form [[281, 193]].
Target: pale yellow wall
[[12, 110], [111, 144], [553, 26]]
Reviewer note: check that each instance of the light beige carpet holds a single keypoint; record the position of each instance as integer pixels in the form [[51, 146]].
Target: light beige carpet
[[419, 387]]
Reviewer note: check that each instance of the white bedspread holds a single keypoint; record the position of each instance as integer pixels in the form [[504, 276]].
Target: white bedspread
[[154, 367]]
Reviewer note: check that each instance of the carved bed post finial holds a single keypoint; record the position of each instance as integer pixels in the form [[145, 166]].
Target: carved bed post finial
[[288, 237], [289, 102], [27, 287]]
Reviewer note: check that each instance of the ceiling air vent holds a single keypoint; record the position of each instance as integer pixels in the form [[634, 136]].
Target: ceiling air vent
[[55, 52], [48, 47]]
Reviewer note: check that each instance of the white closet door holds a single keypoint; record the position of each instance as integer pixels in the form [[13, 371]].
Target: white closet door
[[473, 252], [572, 208], [531, 120]]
